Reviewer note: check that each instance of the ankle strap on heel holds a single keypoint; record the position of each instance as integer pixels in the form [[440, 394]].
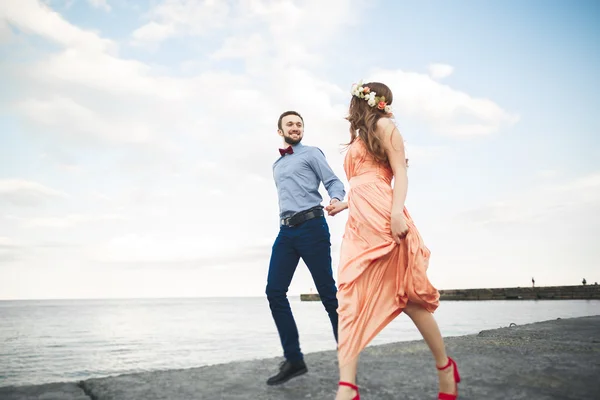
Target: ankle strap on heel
[[446, 366], [452, 363], [350, 385]]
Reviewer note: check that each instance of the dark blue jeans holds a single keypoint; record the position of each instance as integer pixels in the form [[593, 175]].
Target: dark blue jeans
[[311, 242]]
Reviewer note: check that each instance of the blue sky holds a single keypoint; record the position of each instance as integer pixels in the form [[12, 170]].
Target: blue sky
[[137, 137]]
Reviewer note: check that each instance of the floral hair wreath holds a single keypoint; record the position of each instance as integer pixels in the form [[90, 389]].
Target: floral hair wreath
[[364, 92]]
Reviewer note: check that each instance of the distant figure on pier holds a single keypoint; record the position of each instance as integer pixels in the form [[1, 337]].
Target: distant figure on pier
[[584, 282], [532, 282]]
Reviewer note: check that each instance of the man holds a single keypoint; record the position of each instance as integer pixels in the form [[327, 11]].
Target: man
[[303, 234]]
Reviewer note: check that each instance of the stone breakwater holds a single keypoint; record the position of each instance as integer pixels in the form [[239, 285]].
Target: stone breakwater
[[550, 360], [580, 292]]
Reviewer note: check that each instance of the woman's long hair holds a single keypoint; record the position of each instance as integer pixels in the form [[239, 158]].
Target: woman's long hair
[[363, 121]]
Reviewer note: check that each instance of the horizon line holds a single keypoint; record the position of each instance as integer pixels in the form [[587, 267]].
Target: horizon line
[[247, 296]]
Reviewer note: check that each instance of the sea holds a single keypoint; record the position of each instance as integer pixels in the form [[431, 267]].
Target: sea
[[71, 340]]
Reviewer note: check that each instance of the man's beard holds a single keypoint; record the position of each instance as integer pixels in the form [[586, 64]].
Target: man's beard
[[291, 141]]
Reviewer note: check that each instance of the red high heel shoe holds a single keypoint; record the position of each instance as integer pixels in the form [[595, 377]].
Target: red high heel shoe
[[352, 386], [448, 396]]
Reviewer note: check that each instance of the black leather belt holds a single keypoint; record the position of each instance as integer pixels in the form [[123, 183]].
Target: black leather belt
[[302, 217]]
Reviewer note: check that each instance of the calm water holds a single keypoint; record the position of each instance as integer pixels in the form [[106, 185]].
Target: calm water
[[50, 341]]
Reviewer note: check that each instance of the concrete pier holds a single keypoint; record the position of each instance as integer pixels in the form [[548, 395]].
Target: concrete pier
[[578, 292], [310, 297], [552, 360]]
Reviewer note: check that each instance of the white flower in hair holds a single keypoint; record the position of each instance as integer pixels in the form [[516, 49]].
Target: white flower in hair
[[356, 88], [364, 92]]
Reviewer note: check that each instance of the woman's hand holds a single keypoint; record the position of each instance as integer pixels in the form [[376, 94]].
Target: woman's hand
[[335, 207], [399, 227]]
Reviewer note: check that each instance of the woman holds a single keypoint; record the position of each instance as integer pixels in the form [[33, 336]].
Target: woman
[[384, 261]]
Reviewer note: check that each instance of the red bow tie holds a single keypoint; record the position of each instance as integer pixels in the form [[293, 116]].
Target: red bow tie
[[289, 150]]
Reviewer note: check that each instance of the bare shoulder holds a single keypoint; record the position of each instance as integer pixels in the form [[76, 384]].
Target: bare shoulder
[[385, 123], [389, 134], [386, 128]]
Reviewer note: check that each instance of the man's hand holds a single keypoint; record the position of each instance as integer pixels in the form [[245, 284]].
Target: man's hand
[[335, 206]]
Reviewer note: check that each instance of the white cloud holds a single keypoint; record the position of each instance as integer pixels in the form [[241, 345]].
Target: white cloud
[[85, 86], [151, 32], [60, 112], [549, 231], [241, 47], [541, 203], [6, 34], [22, 192], [68, 221], [440, 71], [163, 249], [9, 249], [103, 72], [424, 154], [182, 17], [103, 4], [548, 173], [6, 242], [13, 252], [78, 92], [183, 175], [35, 17], [278, 21], [448, 110], [318, 21], [99, 4]]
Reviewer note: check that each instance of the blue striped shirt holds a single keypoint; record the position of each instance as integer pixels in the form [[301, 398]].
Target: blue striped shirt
[[298, 176]]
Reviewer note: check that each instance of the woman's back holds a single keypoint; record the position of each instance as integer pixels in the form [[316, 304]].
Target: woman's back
[[358, 162]]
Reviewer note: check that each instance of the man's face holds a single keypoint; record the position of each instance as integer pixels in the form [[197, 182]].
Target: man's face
[[292, 129]]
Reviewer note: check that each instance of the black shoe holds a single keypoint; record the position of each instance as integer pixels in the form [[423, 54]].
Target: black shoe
[[287, 371]]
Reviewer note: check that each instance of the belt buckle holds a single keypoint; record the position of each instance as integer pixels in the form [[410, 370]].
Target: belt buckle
[[285, 221]]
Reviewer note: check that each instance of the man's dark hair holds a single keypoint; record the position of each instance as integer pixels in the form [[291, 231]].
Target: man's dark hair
[[285, 114]]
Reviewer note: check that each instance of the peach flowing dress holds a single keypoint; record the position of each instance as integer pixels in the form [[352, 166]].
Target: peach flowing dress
[[376, 276]]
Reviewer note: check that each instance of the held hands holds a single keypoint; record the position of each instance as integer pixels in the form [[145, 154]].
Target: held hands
[[399, 227], [335, 206]]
